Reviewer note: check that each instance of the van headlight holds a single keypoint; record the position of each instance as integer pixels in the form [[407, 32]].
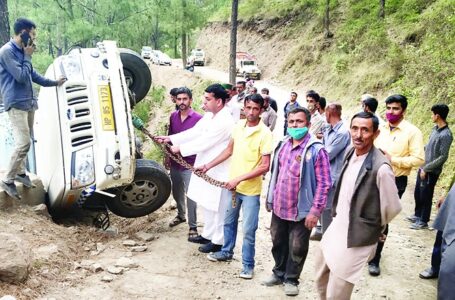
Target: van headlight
[[82, 168]]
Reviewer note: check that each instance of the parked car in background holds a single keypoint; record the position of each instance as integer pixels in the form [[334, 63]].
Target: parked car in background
[[146, 52], [160, 58], [155, 56], [246, 65], [165, 59], [198, 56]]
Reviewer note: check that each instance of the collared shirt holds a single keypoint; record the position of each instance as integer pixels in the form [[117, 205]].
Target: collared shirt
[[269, 118], [348, 263], [289, 106], [336, 140], [318, 123], [437, 149], [286, 192], [235, 110], [16, 77], [405, 145], [176, 126], [250, 144]]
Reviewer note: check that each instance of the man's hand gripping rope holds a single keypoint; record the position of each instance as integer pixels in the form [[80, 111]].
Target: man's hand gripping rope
[[166, 147]]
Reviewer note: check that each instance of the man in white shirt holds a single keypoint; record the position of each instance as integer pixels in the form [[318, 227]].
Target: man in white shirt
[[208, 138]]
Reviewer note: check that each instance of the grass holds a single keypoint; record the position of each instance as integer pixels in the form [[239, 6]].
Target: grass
[[409, 52]]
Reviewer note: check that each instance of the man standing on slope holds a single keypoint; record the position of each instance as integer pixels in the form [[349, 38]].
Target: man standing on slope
[[180, 120], [297, 195], [436, 154], [402, 144], [207, 139], [250, 148], [16, 90], [365, 201], [290, 105]]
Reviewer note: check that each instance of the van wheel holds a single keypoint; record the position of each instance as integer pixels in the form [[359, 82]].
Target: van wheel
[[149, 190], [137, 74]]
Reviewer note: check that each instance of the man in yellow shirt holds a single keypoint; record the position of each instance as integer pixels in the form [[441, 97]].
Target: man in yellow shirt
[[250, 147], [402, 144]]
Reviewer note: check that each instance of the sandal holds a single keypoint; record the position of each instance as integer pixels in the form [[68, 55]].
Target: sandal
[[177, 220], [192, 233]]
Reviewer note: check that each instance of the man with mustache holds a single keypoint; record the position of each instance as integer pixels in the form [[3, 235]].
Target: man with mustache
[[182, 119], [402, 144], [206, 140], [365, 200]]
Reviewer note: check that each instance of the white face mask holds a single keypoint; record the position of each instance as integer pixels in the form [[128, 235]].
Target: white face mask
[[310, 107]]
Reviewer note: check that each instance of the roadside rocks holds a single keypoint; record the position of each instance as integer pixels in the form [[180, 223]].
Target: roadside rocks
[[41, 210], [45, 252], [114, 270], [126, 262], [15, 257], [145, 236]]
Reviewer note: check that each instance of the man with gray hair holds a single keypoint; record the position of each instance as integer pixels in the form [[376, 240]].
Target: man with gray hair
[[336, 140]]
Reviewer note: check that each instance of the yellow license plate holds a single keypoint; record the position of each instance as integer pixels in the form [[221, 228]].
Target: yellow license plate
[[107, 115]]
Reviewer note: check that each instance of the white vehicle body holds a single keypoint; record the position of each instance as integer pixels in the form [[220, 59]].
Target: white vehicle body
[[81, 125], [146, 52], [198, 55], [85, 143], [248, 68]]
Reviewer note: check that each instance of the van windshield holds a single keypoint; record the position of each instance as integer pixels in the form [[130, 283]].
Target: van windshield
[[249, 63]]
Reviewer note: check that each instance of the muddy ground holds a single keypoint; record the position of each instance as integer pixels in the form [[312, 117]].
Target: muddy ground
[[65, 255]]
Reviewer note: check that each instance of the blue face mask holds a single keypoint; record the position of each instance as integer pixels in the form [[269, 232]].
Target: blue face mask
[[297, 133]]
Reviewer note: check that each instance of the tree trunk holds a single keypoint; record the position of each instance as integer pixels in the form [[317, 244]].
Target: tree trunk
[[233, 43], [184, 33], [155, 34], [4, 22], [382, 9], [327, 32], [184, 49]]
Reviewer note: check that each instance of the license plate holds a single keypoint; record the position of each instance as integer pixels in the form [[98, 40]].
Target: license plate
[[107, 115]]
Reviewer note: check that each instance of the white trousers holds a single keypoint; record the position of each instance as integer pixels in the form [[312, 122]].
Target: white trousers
[[214, 220]]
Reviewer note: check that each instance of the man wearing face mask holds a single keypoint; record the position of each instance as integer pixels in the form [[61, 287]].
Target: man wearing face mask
[[402, 144], [16, 77], [297, 194]]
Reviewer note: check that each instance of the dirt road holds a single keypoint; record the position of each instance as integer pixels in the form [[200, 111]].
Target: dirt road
[[173, 268]]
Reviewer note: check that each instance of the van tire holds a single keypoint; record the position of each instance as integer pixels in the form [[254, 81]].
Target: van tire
[[137, 73], [149, 190]]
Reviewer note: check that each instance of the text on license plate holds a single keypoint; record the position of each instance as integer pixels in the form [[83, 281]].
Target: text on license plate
[[107, 115]]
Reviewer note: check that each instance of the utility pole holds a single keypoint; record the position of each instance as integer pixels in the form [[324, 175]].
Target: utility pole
[[233, 45]]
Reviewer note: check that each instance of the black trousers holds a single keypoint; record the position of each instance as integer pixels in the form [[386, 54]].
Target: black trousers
[[436, 255], [401, 182], [290, 248], [423, 195]]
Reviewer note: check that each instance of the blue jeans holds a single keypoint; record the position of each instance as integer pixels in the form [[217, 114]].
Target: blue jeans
[[251, 205]]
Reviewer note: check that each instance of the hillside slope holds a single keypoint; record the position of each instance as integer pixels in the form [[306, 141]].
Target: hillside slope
[[410, 51]]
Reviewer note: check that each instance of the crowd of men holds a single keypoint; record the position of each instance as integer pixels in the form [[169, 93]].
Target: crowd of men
[[347, 175]]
